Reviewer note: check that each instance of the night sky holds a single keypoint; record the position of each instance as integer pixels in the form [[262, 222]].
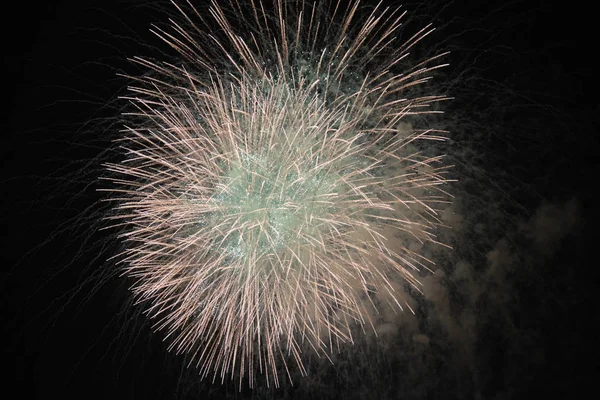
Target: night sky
[[70, 334]]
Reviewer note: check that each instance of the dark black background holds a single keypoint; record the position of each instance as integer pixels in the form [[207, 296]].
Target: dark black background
[[59, 65]]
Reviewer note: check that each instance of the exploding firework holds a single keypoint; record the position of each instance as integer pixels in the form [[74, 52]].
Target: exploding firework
[[273, 178]]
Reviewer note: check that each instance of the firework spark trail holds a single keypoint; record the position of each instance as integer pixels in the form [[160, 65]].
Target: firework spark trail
[[262, 176]]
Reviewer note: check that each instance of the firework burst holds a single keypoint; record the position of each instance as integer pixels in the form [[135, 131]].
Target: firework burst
[[271, 180]]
